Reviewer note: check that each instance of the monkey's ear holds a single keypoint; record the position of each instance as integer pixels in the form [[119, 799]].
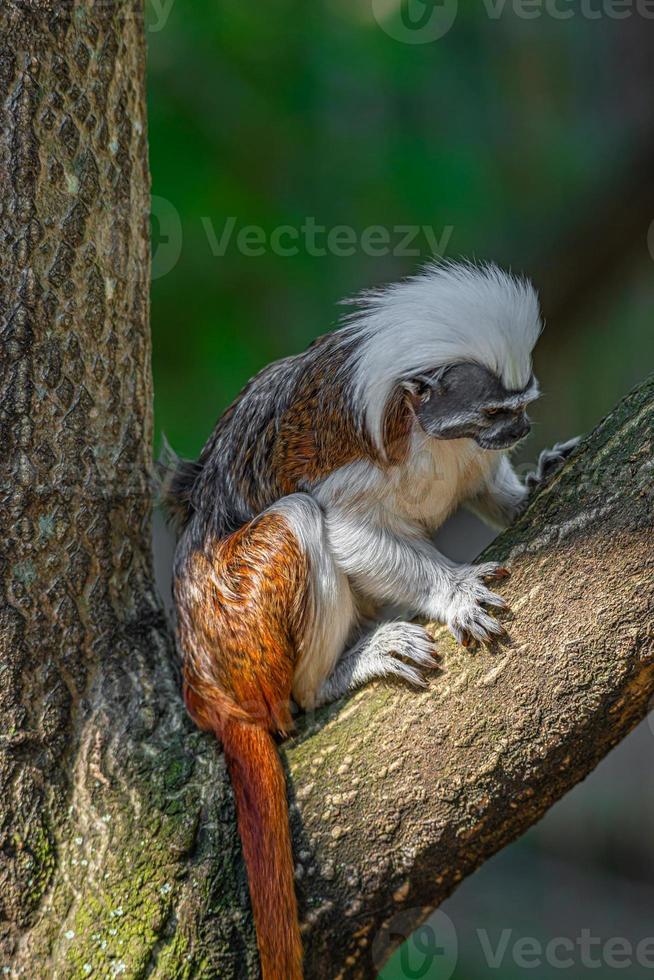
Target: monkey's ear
[[418, 388], [424, 386]]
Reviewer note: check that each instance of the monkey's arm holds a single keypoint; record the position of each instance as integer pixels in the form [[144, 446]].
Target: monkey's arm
[[502, 499], [505, 496], [398, 565]]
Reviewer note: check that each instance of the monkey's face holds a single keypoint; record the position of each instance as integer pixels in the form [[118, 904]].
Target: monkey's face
[[467, 401]]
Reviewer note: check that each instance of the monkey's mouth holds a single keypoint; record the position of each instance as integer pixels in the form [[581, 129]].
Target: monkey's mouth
[[500, 441]]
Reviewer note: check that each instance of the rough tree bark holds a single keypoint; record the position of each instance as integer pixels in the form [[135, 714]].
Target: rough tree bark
[[105, 790], [118, 849]]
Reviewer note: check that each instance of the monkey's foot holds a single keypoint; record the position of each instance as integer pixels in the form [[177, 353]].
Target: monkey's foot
[[383, 653], [465, 614], [392, 641]]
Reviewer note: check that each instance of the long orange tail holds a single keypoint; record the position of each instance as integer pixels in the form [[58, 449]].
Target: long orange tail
[[262, 811]]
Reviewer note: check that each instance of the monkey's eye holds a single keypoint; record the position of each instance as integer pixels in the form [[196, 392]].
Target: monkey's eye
[[490, 412]]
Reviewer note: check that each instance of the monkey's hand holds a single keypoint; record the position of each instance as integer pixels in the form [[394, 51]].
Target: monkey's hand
[[465, 613], [550, 462]]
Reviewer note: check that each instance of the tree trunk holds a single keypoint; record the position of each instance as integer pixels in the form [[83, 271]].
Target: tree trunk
[[116, 825], [119, 853]]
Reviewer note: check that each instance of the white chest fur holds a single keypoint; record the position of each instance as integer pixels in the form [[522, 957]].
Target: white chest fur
[[436, 477], [424, 490]]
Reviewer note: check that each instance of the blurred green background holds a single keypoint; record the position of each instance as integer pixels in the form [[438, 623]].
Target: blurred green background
[[528, 140]]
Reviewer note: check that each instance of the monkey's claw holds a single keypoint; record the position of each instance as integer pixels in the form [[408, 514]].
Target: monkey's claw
[[468, 615]]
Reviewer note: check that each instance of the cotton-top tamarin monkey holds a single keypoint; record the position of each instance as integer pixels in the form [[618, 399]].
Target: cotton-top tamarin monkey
[[313, 503]]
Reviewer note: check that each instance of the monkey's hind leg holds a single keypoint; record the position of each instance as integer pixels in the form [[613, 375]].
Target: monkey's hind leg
[[379, 654], [324, 672]]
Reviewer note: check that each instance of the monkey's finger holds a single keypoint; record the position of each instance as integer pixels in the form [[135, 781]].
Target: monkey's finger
[[492, 572], [424, 656], [495, 600], [407, 673], [458, 633], [418, 645], [467, 633], [485, 626]]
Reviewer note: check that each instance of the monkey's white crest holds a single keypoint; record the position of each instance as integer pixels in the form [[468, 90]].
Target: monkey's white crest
[[449, 312]]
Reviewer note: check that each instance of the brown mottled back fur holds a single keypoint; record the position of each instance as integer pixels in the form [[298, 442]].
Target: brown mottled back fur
[[291, 426]]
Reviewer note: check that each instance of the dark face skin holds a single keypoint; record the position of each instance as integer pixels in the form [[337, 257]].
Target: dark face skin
[[467, 401]]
